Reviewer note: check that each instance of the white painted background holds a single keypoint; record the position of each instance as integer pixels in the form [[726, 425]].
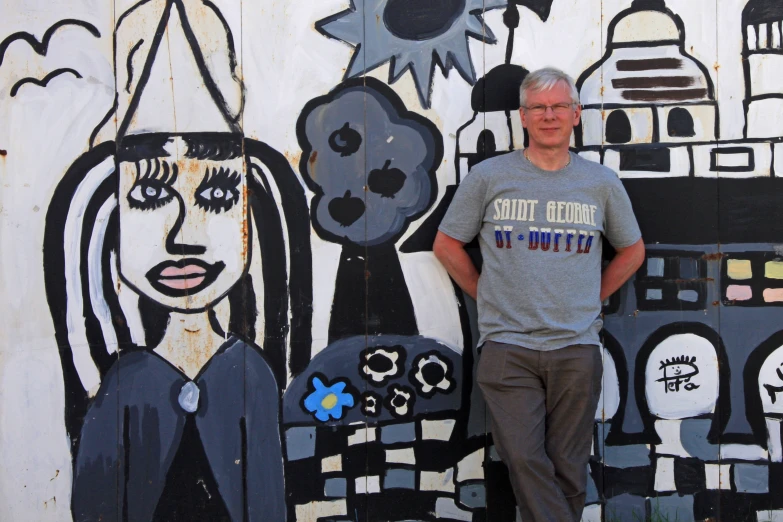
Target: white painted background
[[285, 63]]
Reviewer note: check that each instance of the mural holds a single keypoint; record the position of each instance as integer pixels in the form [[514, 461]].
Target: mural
[[220, 297]]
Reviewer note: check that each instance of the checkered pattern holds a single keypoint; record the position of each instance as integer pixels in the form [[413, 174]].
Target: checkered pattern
[[395, 471]]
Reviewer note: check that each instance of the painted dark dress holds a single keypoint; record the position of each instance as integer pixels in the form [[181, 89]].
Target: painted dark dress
[[136, 429]]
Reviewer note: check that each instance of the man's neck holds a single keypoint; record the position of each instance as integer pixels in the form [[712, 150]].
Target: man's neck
[[548, 159]]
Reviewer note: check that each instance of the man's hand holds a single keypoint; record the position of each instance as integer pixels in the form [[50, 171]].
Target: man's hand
[[621, 268], [458, 264]]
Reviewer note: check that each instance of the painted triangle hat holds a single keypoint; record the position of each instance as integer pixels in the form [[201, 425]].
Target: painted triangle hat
[[176, 72]]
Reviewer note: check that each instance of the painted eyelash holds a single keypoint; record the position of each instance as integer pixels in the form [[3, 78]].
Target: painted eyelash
[[232, 178], [154, 168], [152, 173]]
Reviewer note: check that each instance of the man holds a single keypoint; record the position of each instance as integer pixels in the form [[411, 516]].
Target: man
[[540, 215]]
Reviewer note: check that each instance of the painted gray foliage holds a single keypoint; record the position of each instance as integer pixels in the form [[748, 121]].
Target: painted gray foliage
[[370, 162]]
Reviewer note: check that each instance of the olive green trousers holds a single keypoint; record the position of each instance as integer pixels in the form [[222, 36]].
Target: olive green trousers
[[542, 406]]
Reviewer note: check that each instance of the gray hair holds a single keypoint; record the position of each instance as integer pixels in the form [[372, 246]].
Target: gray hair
[[544, 80]]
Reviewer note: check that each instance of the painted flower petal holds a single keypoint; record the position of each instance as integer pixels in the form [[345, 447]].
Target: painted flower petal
[[327, 401]]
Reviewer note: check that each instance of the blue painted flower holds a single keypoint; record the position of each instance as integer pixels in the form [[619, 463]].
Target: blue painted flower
[[328, 401]]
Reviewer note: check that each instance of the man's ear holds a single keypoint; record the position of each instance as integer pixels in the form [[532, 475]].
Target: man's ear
[[577, 114], [522, 117]]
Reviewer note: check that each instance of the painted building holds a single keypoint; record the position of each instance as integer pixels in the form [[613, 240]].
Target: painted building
[[220, 300]]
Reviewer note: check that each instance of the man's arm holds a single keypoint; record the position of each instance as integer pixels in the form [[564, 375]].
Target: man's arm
[[625, 262], [451, 253]]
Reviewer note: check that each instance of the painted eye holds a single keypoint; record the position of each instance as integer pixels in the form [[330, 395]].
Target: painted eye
[[219, 190], [217, 193], [148, 194]]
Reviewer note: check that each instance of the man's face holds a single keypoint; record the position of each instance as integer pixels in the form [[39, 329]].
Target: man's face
[[552, 128]]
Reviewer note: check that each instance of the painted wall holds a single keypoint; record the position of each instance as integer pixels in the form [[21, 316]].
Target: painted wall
[[220, 300]]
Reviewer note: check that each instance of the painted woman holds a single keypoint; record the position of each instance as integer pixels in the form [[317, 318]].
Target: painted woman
[[167, 254]]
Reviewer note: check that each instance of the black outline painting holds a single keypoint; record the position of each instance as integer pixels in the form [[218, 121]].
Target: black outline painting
[[328, 373], [212, 438], [41, 47]]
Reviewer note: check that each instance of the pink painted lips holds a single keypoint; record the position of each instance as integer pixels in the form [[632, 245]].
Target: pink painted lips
[[183, 277], [189, 276]]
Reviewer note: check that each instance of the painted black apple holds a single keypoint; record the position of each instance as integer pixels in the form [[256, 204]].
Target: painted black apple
[[347, 209], [386, 181], [345, 140]]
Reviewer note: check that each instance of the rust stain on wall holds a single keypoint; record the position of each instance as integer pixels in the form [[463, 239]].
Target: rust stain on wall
[[293, 157], [245, 226]]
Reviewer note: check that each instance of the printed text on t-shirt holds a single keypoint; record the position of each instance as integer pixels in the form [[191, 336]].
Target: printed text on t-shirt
[[545, 238], [556, 211]]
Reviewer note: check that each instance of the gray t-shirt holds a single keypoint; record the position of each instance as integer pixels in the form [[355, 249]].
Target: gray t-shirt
[[540, 234]]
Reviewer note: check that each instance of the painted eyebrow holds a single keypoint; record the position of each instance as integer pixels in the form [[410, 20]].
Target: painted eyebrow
[[155, 168]]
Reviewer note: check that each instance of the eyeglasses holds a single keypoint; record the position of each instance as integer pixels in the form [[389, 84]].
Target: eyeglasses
[[559, 109]]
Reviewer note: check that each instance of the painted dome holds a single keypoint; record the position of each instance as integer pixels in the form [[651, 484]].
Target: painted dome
[[645, 62], [645, 26]]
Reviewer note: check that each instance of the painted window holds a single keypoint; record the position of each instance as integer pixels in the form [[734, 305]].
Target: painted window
[[732, 159], [645, 159], [672, 281], [752, 279], [679, 123], [618, 127]]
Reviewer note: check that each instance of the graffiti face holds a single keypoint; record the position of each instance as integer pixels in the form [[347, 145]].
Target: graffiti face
[[183, 241], [682, 377], [553, 126], [678, 372]]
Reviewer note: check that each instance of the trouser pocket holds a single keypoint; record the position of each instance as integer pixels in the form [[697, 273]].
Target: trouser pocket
[[492, 364]]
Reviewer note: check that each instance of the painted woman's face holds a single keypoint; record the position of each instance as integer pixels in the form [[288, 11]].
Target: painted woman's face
[[183, 228]]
